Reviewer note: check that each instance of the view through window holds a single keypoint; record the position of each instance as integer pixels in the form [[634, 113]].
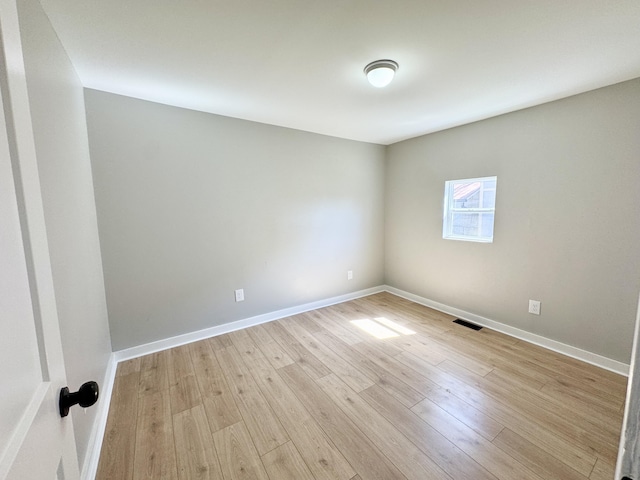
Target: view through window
[[469, 209]]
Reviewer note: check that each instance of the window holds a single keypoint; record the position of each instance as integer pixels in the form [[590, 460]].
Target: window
[[469, 209]]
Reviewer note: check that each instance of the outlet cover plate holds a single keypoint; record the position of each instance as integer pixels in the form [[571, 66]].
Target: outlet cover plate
[[534, 307], [239, 295]]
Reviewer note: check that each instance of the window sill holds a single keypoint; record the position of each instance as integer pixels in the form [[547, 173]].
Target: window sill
[[469, 239]]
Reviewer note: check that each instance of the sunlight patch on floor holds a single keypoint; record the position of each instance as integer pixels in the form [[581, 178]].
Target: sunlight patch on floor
[[382, 328], [394, 326]]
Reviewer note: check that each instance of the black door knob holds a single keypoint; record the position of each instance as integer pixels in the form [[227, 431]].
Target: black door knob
[[86, 396]]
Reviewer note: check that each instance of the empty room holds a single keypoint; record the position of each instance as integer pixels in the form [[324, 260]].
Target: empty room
[[320, 241]]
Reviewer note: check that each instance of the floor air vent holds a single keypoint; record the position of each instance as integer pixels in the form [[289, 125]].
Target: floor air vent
[[470, 325]]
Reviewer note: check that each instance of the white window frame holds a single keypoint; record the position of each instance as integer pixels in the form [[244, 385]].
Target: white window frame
[[449, 210]]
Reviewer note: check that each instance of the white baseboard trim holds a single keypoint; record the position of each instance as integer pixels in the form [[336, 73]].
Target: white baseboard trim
[[568, 350], [92, 457], [176, 341]]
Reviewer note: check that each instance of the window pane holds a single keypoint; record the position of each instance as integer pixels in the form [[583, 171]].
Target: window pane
[[486, 222], [466, 195], [472, 224], [489, 199], [465, 224], [489, 184]]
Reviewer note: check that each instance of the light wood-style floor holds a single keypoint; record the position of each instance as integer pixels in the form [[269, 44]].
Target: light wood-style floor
[[320, 396]]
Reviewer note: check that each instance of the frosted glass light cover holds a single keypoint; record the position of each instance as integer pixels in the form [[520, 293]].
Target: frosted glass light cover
[[381, 76]]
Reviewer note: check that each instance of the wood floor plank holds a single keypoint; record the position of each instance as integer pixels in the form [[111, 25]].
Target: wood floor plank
[[185, 394], [285, 463], [220, 407], [219, 342], [453, 379], [307, 320], [453, 354], [349, 374], [475, 419], [500, 464], [406, 456], [519, 369], [503, 410], [296, 350], [569, 391], [322, 457], [154, 373], [397, 303], [179, 364], [573, 408], [331, 320], [195, 453], [602, 471], [472, 417], [413, 345], [583, 382], [424, 319], [269, 347], [118, 446], [343, 316], [239, 459], [556, 418], [417, 316], [535, 458], [182, 380], [206, 368], [154, 447], [444, 452], [361, 453], [514, 379], [566, 368], [128, 367], [348, 315], [396, 387], [265, 428]]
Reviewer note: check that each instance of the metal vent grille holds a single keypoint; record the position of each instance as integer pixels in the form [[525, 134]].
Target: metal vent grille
[[470, 325]]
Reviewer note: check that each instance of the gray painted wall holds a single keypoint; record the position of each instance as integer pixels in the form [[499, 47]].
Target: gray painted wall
[[567, 228], [57, 110], [192, 206]]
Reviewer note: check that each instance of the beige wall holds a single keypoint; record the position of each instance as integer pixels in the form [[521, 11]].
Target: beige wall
[[192, 206], [567, 226], [57, 111]]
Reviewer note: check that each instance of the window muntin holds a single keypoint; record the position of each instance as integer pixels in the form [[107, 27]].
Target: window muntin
[[469, 209]]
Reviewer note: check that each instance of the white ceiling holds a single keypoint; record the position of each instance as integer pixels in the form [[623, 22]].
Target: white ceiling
[[299, 63]]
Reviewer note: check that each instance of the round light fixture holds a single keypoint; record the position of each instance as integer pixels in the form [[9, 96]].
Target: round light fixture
[[381, 72]]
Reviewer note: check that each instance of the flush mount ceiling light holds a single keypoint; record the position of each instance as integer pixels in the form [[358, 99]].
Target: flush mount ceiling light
[[381, 72]]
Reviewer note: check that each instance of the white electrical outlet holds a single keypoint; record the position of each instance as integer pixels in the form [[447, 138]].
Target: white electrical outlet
[[240, 295], [534, 307], [349, 274]]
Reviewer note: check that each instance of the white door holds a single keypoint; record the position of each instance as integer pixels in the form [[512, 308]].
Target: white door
[[35, 442], [628, 465]]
